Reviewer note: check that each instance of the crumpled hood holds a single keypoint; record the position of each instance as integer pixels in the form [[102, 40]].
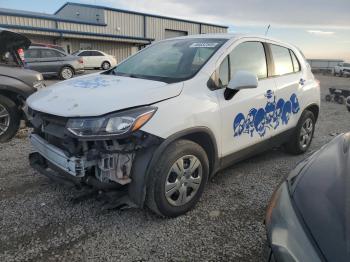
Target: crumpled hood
[[98, 94]]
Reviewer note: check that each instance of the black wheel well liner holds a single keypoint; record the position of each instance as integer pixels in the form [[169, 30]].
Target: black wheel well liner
[[315, 109], [11, 95]]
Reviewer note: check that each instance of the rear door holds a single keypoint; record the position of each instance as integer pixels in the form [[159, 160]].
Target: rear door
[[97, 58], [51, 60], [289, 86], [32, 59], [244, 122]]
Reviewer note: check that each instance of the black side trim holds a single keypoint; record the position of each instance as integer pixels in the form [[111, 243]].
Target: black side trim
[[256, 149]]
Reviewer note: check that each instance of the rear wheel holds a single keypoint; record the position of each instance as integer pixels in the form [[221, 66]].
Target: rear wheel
[[66, 73], [9, 119], [328, 98], [177, 181], [106, 65], [303, 134]]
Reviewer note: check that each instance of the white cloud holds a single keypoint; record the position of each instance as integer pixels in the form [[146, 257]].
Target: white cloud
[[320, 32]]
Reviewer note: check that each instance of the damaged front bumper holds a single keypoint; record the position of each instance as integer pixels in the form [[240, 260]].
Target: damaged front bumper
[[102, 165]]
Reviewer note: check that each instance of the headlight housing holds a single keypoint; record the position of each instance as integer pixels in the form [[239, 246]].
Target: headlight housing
[[116, 124]]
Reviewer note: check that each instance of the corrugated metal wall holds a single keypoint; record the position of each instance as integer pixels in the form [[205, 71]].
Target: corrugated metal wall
[[156, 27], [209, 29], [35, 22]]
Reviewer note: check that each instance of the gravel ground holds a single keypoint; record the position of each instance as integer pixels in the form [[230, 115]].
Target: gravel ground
[[39, 222]]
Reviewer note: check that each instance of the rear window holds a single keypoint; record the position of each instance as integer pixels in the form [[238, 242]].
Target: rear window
[[282, 59]]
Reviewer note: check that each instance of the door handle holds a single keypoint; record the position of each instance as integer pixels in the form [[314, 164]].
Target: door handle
[[302, 81]]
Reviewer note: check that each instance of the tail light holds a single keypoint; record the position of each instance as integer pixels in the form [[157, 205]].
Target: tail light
[[21, 53], [81, 61]]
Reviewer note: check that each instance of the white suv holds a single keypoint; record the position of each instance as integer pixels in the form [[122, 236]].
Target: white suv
[[167, 118], [96, 59]]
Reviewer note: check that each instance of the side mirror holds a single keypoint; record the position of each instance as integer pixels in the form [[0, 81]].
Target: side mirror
[[240, 80]]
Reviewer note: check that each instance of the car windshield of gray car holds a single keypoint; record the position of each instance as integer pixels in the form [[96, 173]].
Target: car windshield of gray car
[[170, 61]]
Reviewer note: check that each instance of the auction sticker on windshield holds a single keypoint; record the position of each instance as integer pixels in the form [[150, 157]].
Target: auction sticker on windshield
[[210, 45]]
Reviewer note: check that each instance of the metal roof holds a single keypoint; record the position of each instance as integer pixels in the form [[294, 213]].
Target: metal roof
[[137, 13]]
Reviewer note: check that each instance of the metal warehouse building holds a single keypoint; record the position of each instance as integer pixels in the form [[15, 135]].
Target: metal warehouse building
[[117, 32]]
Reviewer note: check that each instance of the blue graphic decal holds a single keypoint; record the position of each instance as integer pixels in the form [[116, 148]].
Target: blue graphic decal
[[287, 110], [249, 122], [238, 124], [94, 82], [271, 117], [295, 104], [260, 122]]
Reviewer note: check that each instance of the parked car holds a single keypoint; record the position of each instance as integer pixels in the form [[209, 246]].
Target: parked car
[[16, 83], [96, 59], [57, 47], [342, 69], [51, 62], [308, 216], [167, 118]]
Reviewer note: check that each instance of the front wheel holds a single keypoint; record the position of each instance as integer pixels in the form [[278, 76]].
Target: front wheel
[[177, 181], [10, 118], [303, 134]]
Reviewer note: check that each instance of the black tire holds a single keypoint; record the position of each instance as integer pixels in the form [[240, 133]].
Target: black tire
[[348, 107], [341, 100], [156, 197], [15, 119], [66, 73], [328, 98], [294, 145], [106, 65]]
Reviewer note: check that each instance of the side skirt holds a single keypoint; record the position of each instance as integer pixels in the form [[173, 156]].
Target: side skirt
[[259, 148]]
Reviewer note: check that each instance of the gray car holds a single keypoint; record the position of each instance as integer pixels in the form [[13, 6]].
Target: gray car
[[16, 83], [51, 62]]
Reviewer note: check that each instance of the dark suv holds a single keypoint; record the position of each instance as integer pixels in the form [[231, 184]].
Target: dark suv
[[16, 83], [51, 62]]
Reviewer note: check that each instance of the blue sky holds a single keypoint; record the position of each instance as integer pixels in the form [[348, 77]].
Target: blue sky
[[320, 28]]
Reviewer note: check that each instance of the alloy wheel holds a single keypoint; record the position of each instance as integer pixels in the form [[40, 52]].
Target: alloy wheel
[[183, 180], [4, 119], [67, 73], [306, 133]]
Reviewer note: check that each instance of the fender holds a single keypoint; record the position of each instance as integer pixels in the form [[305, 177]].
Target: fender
[[13, 85], [146, 159]]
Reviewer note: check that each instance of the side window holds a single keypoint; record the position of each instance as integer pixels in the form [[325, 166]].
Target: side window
[[224, 73], [31, 53], [296, 64], [47, 53], [84, 53], [95, 53], [249, 56], [282, 60]]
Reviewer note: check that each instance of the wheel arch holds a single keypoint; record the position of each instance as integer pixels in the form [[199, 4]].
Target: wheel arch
[[145, 162], [315, 109]]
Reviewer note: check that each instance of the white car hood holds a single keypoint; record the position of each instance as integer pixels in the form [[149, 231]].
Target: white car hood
[[97, 94]]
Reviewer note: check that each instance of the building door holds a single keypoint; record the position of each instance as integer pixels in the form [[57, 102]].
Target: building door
[[66, 46], [174, 33]]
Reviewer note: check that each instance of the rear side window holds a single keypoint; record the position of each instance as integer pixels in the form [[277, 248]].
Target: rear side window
[[85, 53], [95, 53], [296, 64], [282, 59], [249, 56], [47, 53]]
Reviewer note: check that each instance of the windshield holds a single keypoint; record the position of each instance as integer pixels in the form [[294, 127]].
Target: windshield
[[346, 65], [7, 58], [170, 61]]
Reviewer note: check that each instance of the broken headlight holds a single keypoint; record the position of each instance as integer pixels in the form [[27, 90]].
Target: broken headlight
[[111, 125]]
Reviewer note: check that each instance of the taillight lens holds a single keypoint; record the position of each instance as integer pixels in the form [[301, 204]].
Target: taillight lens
[[81, 61]]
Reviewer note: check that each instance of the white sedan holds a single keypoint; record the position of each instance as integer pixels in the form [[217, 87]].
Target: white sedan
[[96, 59]]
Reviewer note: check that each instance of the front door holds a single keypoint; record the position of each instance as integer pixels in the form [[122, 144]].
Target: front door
[[246, 119]]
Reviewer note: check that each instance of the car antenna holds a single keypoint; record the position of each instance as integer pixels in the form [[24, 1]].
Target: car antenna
[[267, 29]]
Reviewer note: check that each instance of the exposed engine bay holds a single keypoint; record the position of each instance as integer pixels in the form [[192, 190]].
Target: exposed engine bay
[[108, 160]]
